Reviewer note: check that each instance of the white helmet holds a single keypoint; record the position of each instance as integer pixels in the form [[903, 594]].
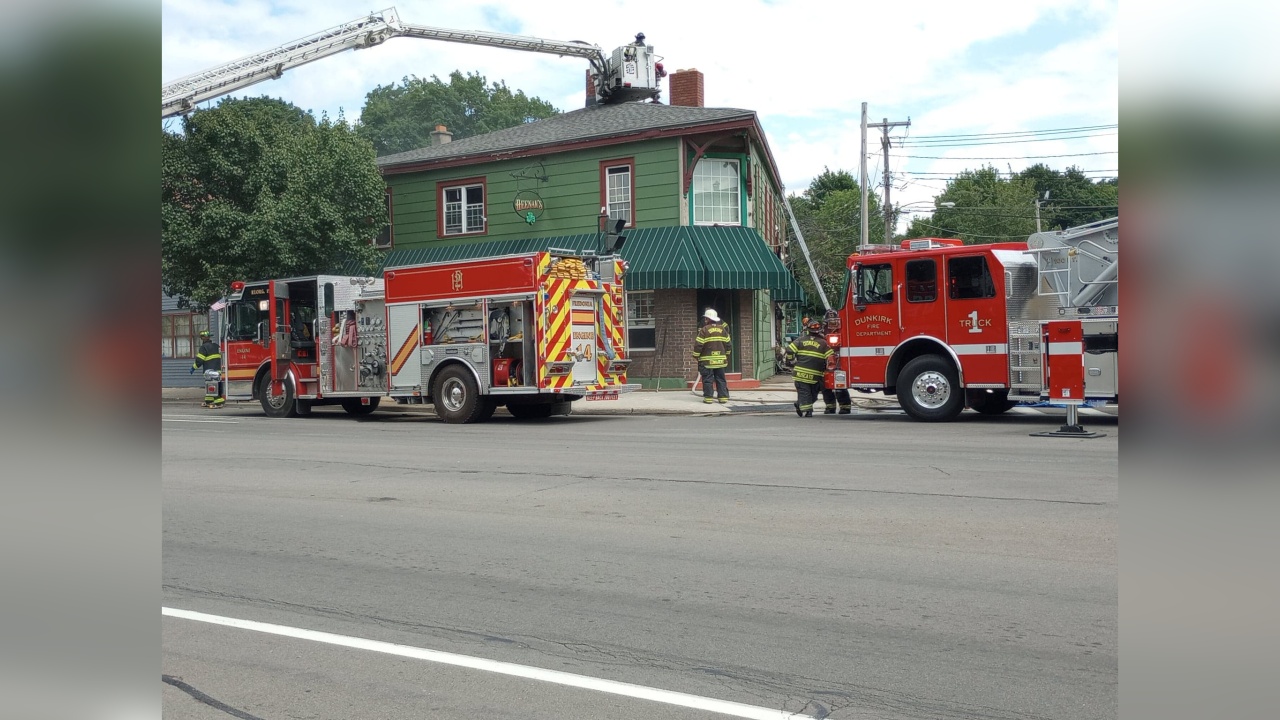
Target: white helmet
[[711, 314]]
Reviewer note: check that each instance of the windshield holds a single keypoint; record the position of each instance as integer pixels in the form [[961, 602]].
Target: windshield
[[242, 320]]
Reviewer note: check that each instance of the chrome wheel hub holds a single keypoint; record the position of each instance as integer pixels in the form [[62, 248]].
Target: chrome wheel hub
[[931, 390]]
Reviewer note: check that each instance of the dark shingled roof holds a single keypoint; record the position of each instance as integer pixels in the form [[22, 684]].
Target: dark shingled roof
[[595, 122]]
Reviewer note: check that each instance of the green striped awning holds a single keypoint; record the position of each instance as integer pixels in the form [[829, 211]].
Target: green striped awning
[[732, 258], [736, 258], [662, 257]]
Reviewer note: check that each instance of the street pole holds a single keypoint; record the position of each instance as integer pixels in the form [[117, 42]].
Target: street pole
[[1046, 197], [862, 180], [884, 143]]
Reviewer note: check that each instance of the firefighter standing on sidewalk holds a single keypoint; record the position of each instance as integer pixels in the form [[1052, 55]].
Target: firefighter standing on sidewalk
[[209, 357], [711, 351], [810, 353]]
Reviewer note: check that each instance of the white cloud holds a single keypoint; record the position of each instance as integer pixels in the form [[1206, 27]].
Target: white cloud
[[805, 66]]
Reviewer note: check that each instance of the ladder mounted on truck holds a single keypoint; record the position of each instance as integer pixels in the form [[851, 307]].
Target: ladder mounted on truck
[[630, 74], [1079, 267]]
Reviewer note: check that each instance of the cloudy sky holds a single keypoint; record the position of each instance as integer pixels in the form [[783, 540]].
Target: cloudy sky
[[991, 67]]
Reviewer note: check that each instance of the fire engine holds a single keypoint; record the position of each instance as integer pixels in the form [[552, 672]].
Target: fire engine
[[532, 331], [944, 325]]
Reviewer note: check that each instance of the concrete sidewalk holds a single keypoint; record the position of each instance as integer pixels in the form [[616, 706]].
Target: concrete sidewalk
[[775, 394]]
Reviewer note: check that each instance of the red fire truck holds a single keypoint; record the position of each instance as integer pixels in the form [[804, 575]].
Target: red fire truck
[[533, 332], [944, 325]]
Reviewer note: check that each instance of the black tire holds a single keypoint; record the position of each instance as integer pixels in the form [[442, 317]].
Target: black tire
[[283, 406], [353, 406], [929, 389], [490, 407], [562, 408], [530, 411], [455, 396], [989, 402]]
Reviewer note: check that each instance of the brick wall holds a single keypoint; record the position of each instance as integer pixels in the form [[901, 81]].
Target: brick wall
[[675, 330], [744, 341]]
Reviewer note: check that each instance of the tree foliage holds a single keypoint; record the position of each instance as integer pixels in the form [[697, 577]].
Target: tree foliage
[[829, 216], [401, 117], [991, 208], [258, 188]]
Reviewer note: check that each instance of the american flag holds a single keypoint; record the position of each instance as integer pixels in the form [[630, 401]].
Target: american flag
[[218, 305]]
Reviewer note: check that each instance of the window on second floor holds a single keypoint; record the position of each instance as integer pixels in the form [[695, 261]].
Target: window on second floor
[[462, 207], [717, 192], [617, 189]]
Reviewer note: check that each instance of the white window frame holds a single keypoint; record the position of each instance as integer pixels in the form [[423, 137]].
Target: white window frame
[[470, 215], [618, 193], [709, 199], [638, 318]]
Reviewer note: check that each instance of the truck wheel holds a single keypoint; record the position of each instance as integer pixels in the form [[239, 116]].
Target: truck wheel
[[456, 397], [353, 406], [279, 406], [530, 411], [489, 407], [989, 402], [929, 390], [561, 408]]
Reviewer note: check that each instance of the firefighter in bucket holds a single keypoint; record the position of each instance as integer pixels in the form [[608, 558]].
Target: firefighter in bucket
[[209, 358]]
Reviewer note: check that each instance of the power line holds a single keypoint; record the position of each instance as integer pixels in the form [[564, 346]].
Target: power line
[[998, 172], [1081, 128], [906, 141], [1009, 157], [972, 235]]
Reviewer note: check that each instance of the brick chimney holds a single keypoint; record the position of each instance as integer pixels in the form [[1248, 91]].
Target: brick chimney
[[685, 88], [440, 135]]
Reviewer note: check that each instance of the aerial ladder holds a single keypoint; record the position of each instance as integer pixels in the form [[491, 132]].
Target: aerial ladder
[[631, 73]]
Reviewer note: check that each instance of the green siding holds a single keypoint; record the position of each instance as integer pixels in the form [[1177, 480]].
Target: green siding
[[571, 194]]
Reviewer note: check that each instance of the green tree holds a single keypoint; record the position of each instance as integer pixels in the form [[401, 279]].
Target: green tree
[[401, 117], [988, 208], [829, 215], [1074, 199], [991, 208], [258, 188]]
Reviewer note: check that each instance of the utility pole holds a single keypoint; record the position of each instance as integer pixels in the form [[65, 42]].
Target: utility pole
[[884, 143], [1046, 197]]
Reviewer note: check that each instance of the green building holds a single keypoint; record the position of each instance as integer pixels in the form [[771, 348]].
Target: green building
[[697, 189]]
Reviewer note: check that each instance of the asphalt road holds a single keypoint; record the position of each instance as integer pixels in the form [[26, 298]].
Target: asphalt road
[[859, 566]]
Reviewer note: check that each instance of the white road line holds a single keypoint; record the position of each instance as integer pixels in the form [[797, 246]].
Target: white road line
[[552, 676], [224, 422]]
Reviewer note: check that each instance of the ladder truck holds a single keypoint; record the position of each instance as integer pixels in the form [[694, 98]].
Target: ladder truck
[[944, 326], [630, 73]]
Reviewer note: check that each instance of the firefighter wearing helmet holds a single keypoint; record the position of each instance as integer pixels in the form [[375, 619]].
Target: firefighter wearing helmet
[[209, 357], [810, 354], [711, 351]]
